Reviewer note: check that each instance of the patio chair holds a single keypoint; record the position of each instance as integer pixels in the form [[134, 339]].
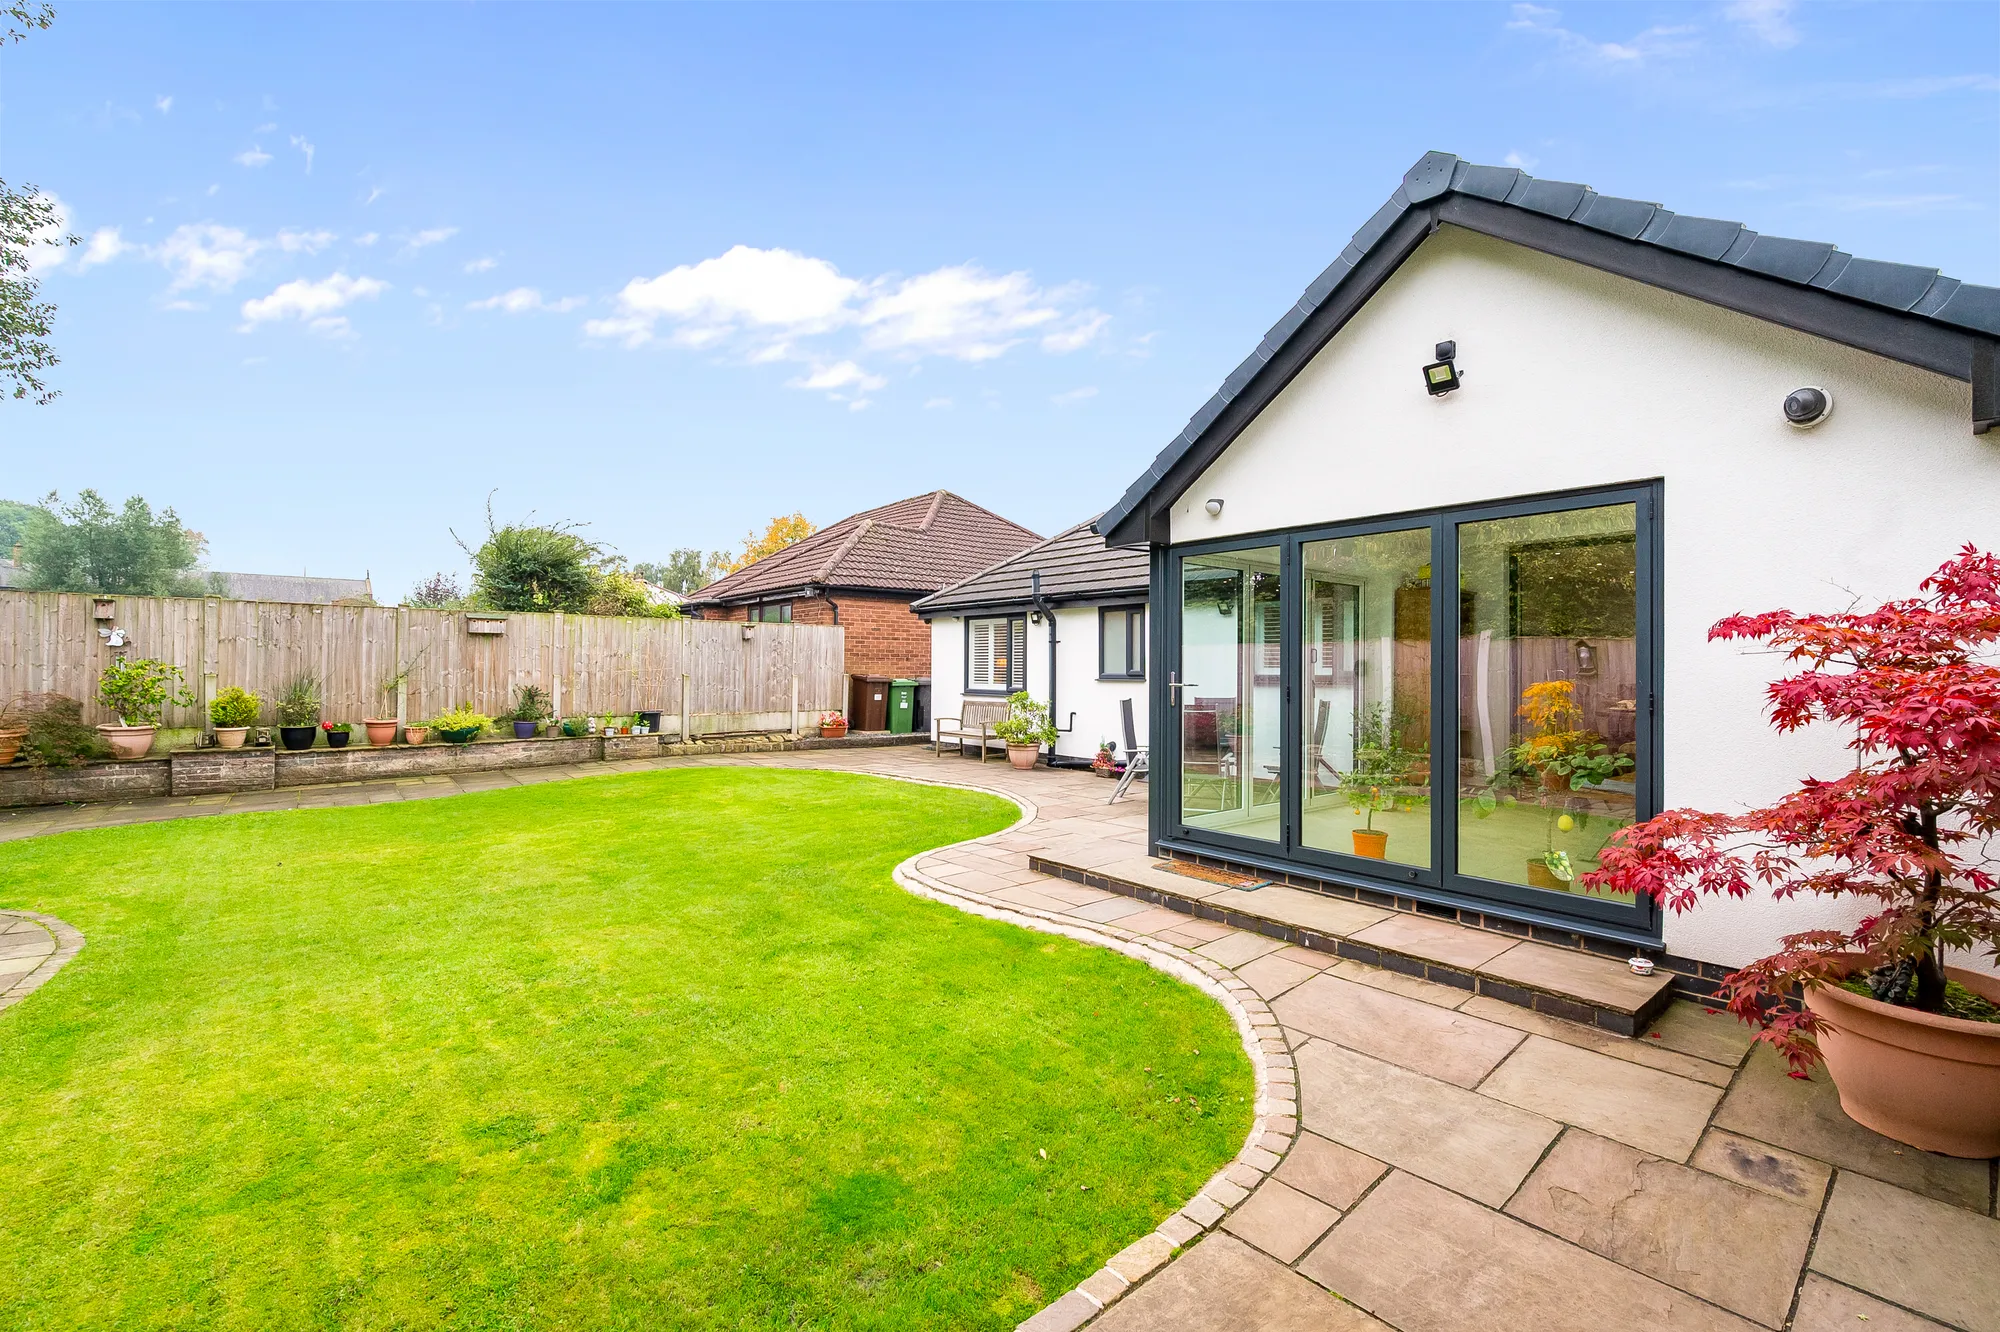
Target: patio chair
[[1135, 756]]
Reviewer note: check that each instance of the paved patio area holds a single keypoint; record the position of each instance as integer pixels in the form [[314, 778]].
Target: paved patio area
[[1454, 1162]]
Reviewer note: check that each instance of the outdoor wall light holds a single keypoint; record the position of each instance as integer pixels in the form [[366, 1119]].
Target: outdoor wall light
[[1807, 407], [1441, 376], [1214, 508]]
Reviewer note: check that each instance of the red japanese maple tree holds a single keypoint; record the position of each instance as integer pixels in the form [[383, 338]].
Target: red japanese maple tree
[[1910, 827]]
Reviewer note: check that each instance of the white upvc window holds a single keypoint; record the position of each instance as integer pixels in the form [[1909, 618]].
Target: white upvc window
[[996, 654]]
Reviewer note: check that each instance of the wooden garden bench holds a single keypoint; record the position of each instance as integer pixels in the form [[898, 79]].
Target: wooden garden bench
[[974, 724]]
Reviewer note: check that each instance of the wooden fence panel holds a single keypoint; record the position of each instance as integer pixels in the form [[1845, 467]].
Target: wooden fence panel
[[599, 664]]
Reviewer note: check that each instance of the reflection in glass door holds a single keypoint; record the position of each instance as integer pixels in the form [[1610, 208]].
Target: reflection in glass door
[[1230, 692], [1548, 692], [1366, 669]]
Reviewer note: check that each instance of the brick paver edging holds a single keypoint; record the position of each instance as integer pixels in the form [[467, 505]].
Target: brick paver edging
[[68, 943], [1272, 1131]]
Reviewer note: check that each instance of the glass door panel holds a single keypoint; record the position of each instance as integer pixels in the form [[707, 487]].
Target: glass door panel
[[1230, 692], [1365, 664], [1548, 690]]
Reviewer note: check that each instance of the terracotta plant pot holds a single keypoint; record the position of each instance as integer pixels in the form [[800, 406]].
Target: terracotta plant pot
[[380, 731], [415, 735], [1372, 844], [128, 742], [230, 737], [10, 745], [832, 730], [1921, 1078], [1023, 756], [1540, 876]]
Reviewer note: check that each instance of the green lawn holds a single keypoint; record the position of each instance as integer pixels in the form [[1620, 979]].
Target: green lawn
[[660, 1050]]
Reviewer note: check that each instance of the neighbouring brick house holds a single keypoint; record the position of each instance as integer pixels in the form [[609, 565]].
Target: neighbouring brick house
[[864, 571]]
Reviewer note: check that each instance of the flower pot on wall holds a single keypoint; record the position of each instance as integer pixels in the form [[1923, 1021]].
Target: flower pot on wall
[[231, 737], [832, 730], [415, 735], [10, 745], [128, 742], [459, 735], [1922, 1078], [338, 739], [297, 737], [1371, 843], [381, 731], [524, 730], [1023, 756]]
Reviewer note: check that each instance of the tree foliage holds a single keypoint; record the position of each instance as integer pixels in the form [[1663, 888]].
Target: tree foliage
[[1909, 828], [441, 591], [780, 532], [683, 571], [87, 546], [28, 220], [526, 567], [13, 524]]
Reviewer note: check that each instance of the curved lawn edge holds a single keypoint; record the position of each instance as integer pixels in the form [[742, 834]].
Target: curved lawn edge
[[68, 941], [1273, 1129]]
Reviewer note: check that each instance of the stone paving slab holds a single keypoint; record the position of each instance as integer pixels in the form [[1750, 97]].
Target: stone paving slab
[[1782, 1174], [1641, 1107], [1281, 1221], [1223, 1285], [1727, 1243], [1804, 1116], [1424, 1038], [1642, 1051], [1426, 1260], [1334, 1174], [1929, 1256], [1828, 1306]]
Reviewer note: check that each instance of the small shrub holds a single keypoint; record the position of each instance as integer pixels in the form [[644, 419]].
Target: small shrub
[[58, 737], [299, 704], [531, 704], [234, 706], [462, 719], [337, 728], [140, 689], [1027, 722]]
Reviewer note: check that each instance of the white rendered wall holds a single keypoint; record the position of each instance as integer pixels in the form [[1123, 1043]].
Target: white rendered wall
[[1575, 378], [1093, 702]]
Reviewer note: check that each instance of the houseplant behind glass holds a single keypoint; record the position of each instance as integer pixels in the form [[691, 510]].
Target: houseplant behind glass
[[1909, 829], [139, 690], [232, 713], [298, 712], [1025, 728]]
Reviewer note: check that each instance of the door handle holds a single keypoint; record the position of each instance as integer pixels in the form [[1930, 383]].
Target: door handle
[[1175, 683]]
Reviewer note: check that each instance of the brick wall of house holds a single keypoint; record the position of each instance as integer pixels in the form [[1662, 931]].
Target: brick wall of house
[[884, 637]]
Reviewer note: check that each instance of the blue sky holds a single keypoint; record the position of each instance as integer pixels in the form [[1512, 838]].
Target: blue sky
[[670, 270]]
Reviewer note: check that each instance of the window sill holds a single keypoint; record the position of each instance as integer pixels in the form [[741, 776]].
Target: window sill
[[1121, 679]]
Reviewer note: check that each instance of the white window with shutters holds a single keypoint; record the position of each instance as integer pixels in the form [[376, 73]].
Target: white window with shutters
[[995, 655]]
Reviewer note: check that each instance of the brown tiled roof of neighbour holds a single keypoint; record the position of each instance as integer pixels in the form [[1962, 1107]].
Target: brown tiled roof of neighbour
[[915, 545], [1075, 565]]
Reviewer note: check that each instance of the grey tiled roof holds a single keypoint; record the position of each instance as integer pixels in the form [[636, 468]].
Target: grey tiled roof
[[294, 587], [1075, 565], [1902, 289], [914, 545]]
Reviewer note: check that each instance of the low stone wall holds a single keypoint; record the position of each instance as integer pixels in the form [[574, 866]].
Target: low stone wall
[[23, 785], [191, 772]]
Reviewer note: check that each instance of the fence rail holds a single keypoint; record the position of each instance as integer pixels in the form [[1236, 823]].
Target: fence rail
[[590, 664]]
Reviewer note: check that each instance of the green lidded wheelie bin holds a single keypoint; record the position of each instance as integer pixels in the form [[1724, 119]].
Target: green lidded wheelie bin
[[902, 706]]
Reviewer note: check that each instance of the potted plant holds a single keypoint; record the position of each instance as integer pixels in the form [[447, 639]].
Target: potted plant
[[382, 730], [531, 708], [337, 733], [13, 730], [139, 690], [1025, 728], [1385, 777], [460, 726], [298, 712], [55, 734], [416, 735], [232, 713], [832, 725], [1555, 758], [1912, 1044], [1105, 762]]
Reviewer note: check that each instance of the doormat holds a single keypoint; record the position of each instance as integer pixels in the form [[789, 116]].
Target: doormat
[[1227, 878]]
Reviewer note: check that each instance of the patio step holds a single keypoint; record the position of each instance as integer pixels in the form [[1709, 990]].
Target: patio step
[[1561, 982]]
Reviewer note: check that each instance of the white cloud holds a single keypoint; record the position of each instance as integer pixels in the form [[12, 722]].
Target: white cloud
[[485, 264], [526, 300], [1649, 44], [299, 142], [308, 242], [1074, 395], [163, 103], [204, 254], [1521, 161], [105, 244], [253, 156], [49, 249], [433, 236], [268, 126], [375, 192], [765, 306], [312, 302], [937, 404], [214, 190], [368, 238], [1770, 21]]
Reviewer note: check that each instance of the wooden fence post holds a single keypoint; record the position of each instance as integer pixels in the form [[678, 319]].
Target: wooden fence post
[[402, 671], [795, 705], [210, 650], [684, 707]]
